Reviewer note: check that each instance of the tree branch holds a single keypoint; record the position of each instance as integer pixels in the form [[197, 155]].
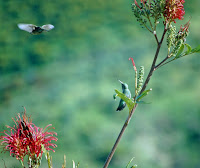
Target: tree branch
[[133, 110], [119, 137], [154, 61], [160, 64]]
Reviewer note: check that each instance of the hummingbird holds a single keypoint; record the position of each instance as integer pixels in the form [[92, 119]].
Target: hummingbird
[[33, 29], [127, 93]]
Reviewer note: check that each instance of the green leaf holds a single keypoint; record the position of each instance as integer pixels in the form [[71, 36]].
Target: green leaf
[[143, 94], [134, 166], [196, 50], [128, 101], [73, 163], [48, 158], [189, 49], [180, 51], [129, 162]]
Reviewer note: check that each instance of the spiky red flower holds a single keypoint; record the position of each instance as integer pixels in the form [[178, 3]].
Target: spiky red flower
[[183, 31], [185, 28], [25, 138], [174, 9]]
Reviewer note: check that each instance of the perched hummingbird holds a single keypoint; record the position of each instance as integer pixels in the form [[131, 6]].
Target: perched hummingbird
[[33, 29], [125, 91]]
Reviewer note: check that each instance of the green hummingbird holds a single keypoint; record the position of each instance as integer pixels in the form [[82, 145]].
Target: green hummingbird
[[127, 93], [33, 29]]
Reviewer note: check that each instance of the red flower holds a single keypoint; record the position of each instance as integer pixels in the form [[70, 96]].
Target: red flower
[[27, 139], [185, 28], [174, 9], [133, 63], [183, 31]]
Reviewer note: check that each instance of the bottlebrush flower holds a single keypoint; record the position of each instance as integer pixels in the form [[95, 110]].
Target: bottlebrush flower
[[174, 9], [24, 138]]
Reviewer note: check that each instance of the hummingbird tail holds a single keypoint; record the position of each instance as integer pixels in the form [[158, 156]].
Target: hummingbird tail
[[121, 107]]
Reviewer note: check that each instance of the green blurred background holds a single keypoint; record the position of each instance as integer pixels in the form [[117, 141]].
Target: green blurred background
[[67, 77]]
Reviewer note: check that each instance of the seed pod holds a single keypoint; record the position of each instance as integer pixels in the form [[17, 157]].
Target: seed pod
[[170, 36], [140, 79], [177, 47]]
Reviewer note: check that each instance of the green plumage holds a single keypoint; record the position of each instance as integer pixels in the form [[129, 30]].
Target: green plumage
[[127, 93]]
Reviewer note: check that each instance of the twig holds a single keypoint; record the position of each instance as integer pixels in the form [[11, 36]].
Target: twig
[[119, 137], [160, 64], [154, 61], [4, 163], [155, 35]]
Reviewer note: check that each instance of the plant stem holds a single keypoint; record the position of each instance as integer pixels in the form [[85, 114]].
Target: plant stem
[[119, 137], [156, 37], [154, 61], [133, 110], [160, 64]]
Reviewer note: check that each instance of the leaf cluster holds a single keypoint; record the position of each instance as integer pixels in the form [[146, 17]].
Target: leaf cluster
[[148, 13]]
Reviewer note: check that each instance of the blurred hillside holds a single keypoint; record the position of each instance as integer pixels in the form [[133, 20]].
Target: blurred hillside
[[67, 77]]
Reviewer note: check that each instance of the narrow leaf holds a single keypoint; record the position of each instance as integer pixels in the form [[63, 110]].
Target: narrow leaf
[[130, 162], [143, 94], [64, 163], [128, 101], [73, 164], [180, 51], [189, 48], [196, 50]]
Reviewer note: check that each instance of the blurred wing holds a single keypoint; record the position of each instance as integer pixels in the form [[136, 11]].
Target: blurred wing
[[47, 27], [26, 27]]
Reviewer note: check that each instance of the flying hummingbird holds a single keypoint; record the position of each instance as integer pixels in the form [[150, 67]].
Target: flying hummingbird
[[33, 29], [125, 91]]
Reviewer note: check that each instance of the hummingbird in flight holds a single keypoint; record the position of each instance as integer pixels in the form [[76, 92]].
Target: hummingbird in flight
[[127, 93], [33, 29]]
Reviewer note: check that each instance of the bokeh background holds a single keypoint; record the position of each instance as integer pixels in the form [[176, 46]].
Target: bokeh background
[[67, 77]]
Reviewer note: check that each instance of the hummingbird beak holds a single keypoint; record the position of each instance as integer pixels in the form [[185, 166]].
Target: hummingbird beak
[[121, 82]]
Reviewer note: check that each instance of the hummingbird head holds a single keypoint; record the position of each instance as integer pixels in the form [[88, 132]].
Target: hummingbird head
[[124, 85]]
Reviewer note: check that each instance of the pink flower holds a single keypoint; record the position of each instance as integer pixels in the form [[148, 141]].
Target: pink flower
[[174, 9], [24, 138]]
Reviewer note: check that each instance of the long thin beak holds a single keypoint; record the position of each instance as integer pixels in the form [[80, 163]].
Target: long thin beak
[[121, 82]]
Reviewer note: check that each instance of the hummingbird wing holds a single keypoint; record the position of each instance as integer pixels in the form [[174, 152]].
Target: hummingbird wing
[[47, 27], [26, 27], [128, 93]]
